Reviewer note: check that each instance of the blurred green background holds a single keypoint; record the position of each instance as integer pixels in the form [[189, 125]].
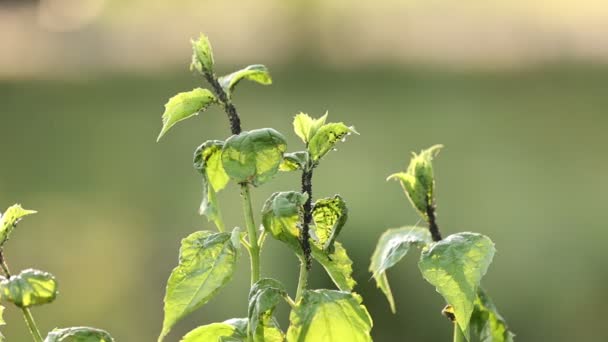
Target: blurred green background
[[524, 161]]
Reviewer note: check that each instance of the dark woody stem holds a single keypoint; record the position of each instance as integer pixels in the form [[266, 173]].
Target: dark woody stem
[[307, 216], [233, 116], [432, 220]]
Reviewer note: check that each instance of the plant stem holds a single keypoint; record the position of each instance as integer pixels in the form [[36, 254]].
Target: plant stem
[[302, 280], [233, 116], [458, 335], [307, 216], [27, 314], [432, 220], [254, 249]]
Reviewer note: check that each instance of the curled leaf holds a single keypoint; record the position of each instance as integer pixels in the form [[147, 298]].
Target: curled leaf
[[392, 246], [326, 137], [78, 334], [329, 216], [31, 287], [202, 55], [253, 156], [257, 73], [419, 182], [208, 161]]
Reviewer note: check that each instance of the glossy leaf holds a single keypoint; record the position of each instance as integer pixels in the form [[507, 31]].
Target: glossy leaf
[[338, 265], [29, 288], [306, 127], [208, 161], [281, 215], [329, 316], [455, 267], [264, 296], [78, 334], [206, 263], [185, 105], [419, 182], [392, 246], [294, 161], [326, 138], [487, 325], [253, 156], [329, 216], [256, 73], [9, 220], [202, 55]]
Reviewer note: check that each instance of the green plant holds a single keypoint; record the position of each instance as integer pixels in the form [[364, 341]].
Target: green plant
[[454, 265], [33, 287], [310, 229]]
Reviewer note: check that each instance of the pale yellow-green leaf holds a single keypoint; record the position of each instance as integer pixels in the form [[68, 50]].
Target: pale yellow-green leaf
[[202, 55], [185, 105], [326, 137], [206, 263], [306, 127], [208, 161], [9, 219], [329, 316], [29, 288], [78, 334], [256, 73]]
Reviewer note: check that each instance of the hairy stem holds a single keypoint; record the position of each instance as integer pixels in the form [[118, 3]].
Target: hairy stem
[[302, 280], [233, 116], [458, 335], [307, 216], [432, 220], [254, 249], [27, 314]]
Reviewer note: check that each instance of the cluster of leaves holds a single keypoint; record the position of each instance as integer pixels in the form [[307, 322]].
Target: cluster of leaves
[[32, 287], [454, 265], [208, 259]]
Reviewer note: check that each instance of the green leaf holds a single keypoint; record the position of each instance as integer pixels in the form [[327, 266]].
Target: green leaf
[[9, 220], [208, 161], [264, 296], [257, 73], [329, 316], [306, 127], [281, 215], [210, 332], [232, 330], [392, 246], [185, 105], [326, 137], [78, 334], [254, 156], [338, 265], [487, 325], [30, 287], [419, 182], [294, 161], [329, 216], [202, 55], [455, 267], [206, 263]]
